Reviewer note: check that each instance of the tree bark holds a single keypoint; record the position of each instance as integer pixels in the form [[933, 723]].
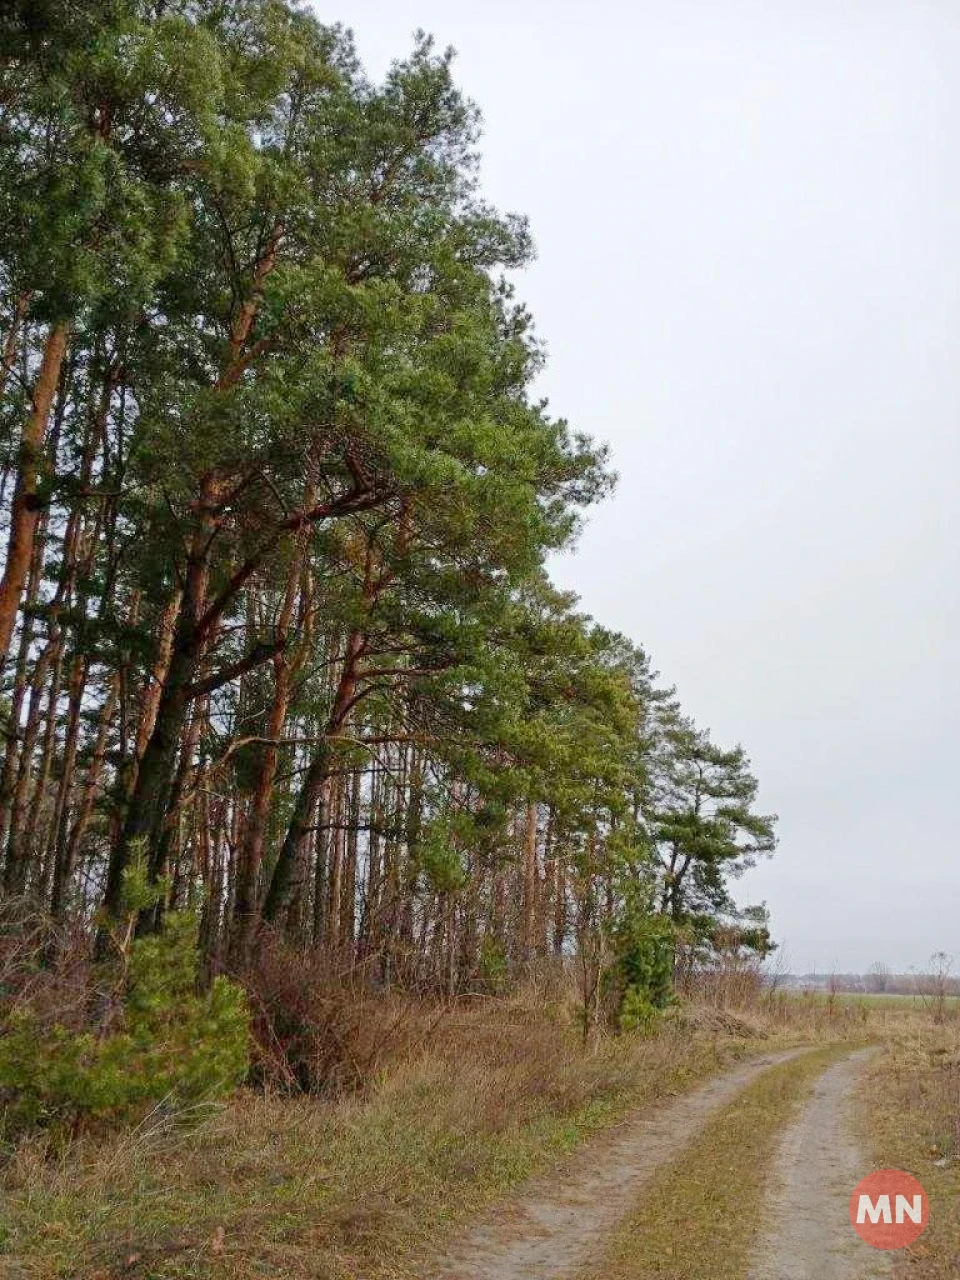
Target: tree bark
[[25, 510], [530, 884], [143, 826], [250, 855], [12, 340], [8, 774], [288, 875]]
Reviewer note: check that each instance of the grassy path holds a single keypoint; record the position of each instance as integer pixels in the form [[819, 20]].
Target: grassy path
[[551, 1230], [701, 1218], [805, 1218], [537, 1162]]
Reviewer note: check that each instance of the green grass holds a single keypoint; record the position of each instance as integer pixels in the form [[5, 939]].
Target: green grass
[[895, 1000], [699, 1219]]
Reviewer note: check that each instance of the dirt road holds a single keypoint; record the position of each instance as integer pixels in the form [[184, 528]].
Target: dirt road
[[551, 1231], [808, 1235], [548, 1233]]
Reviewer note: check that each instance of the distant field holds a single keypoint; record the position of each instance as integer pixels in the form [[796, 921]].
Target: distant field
[[877, 1001]]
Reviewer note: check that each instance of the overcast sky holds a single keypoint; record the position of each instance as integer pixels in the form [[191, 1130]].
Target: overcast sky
[[748, 228]]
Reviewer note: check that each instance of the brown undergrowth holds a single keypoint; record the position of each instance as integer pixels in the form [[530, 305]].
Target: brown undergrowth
[[470, 1104], [431, 1112], [910, 1114]]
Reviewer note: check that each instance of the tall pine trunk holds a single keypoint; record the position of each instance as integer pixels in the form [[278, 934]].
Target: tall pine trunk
[[27, 503], [142, 829]]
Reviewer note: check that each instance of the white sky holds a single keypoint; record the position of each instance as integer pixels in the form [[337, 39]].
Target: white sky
[[749, 248]]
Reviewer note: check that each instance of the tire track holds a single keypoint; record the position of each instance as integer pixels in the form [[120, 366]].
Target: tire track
[[808, 1234], [549, 1232]]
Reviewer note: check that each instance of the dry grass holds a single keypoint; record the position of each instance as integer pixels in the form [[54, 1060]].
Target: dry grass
[[328, 1189], [911, 1120], [699, 1219], [462, 1106]]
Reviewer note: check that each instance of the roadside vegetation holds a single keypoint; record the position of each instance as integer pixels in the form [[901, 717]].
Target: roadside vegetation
[[910, 1120], [458, 1107], [287, 695], [463, 1111]]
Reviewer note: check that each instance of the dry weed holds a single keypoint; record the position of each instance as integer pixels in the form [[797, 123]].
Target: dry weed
[[470, 1104]]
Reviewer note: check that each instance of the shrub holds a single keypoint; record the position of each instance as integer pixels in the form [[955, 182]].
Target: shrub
[[160, 1040], [493, 969], [640, 978], [637, 1013], [315, 1033]]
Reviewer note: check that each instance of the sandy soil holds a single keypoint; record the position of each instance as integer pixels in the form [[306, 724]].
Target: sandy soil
[[549, 1232], [808, 1234]]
